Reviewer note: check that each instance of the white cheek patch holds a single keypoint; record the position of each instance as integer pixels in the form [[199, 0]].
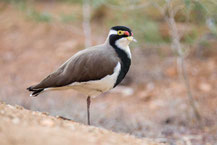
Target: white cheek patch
[[112, 32], [123, 44]]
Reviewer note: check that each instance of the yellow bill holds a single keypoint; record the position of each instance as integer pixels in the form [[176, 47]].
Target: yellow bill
[[130, 38]]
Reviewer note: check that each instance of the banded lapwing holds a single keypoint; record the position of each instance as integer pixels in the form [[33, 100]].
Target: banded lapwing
[[93, 70]]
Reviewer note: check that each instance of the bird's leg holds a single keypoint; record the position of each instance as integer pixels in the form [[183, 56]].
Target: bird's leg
[[88, 110]]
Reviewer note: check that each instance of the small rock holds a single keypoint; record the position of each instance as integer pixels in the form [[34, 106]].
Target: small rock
[[70, 125], [45, 113], [205, 87], [125, 91], [11, 107], [47, 122], [19, 107], [16, 120]]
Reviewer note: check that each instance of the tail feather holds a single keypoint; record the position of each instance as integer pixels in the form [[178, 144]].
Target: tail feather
[[35, 92]]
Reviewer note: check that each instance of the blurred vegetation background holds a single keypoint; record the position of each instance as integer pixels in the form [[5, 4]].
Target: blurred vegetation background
[[172, 79], [198, 17]]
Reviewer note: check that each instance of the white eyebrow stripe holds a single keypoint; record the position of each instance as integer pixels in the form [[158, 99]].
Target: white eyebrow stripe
[[112, 32]]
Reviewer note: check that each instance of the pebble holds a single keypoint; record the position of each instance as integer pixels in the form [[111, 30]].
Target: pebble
[[205, 87], [16, 120], [10, 106], [47, 122], [70, 125]]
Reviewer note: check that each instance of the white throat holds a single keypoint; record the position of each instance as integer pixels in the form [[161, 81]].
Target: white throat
[[123, 44]]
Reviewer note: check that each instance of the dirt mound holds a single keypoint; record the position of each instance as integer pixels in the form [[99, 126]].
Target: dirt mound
[[19, 126]]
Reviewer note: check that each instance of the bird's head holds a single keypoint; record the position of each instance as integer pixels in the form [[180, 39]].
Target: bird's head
[[120, 36]]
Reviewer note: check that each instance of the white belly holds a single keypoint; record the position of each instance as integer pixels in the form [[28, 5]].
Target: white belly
[[96, 87]]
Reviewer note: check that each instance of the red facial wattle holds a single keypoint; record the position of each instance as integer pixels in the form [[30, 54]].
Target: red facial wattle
[[127, 33]]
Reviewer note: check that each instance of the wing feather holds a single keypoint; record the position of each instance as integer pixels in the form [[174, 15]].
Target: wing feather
[[90, 65]]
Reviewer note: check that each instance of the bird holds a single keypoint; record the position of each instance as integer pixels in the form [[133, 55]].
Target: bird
[[94, 70]]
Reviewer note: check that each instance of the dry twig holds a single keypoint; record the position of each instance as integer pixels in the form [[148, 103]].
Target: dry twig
[[86, 22], [177, 46]]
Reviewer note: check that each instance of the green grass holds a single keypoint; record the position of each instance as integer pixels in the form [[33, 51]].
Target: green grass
[[39, 16], [67, 18]]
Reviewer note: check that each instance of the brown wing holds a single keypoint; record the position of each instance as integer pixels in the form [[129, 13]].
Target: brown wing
[[92, 65]]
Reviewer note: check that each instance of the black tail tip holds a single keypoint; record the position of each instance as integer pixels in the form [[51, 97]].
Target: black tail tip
[[29, 89], [35, 92]]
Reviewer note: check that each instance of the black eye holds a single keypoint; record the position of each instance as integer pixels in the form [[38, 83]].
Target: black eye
[[120, 32]]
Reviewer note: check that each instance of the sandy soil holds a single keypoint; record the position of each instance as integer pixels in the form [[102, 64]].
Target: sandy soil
[[19, 126]]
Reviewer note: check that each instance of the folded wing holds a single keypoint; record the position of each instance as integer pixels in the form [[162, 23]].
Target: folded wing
[[92, 65]]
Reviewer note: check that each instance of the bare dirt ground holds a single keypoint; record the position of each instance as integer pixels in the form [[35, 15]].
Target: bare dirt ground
[[19, 126], [153, 103]]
